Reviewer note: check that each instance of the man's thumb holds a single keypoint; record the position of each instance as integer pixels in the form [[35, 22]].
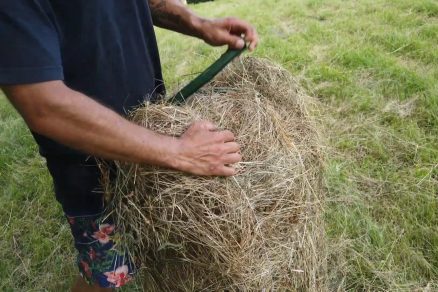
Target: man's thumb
[[233, 41], [239, 43]]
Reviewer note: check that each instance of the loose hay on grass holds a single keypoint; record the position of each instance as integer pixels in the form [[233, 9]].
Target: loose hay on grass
[[260, 229]]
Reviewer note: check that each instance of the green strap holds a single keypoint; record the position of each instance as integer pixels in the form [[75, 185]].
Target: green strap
[[205, 76]]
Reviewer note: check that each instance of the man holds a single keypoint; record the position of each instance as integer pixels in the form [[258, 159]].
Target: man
[[72, 69]]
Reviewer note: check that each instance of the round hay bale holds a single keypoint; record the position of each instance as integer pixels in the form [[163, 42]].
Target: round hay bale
[[260, 229]]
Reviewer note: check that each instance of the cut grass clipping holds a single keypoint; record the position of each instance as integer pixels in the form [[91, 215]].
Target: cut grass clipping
[[260, 229]]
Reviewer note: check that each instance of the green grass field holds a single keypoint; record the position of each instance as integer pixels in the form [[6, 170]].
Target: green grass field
[[373, 65]]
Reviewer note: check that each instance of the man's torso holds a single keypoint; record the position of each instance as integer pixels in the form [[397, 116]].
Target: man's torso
[[109, 52], [105, 49]]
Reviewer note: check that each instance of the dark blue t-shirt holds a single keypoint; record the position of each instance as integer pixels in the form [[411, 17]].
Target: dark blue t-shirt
[[105, 49]]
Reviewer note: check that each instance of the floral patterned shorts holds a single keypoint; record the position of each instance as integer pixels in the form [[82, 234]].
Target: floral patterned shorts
[[101, 259]]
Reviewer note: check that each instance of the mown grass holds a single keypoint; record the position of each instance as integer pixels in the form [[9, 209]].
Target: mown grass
[[373, 65], [35, 251]]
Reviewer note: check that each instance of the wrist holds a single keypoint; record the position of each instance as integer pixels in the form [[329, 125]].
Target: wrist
[[171, 158], [158, 150], [199, 26]]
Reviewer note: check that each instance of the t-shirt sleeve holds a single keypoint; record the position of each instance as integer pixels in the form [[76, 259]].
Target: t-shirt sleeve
[[29, 43]]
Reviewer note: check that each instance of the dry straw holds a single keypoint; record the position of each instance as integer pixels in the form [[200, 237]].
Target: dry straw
[[259, 230]]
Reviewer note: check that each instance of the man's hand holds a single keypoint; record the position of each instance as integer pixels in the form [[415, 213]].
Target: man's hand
[[206, 151], [229, 31], [173, 15]]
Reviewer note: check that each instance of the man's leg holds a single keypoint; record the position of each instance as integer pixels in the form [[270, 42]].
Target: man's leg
[[102, 260]]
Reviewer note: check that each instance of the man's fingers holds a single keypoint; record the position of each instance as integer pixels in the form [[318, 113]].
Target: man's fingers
[[239, 27], [232, 158], [226, 171], [239, 43], [211, 151], [253, 42], [231, 147], [251, 37], [230, 31], [206, 125], [235, 29], [225, 136], [233, 41]]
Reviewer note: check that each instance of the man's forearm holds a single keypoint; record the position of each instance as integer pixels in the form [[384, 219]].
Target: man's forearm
[[173, 15], [73, 119]]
